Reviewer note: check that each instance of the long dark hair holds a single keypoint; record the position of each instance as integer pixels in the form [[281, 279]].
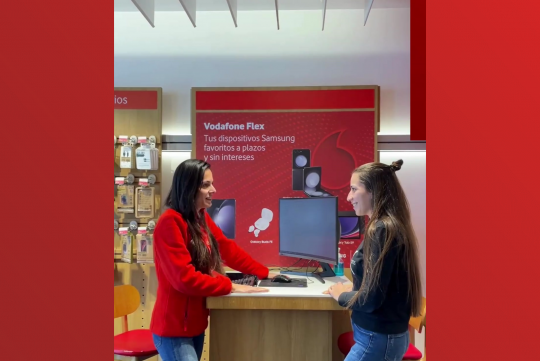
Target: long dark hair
[[187, 181], [391, 207]]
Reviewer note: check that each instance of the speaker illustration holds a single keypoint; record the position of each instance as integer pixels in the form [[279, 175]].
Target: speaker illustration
[[301, 158], [312, 182], [223, 213], [352, 226]]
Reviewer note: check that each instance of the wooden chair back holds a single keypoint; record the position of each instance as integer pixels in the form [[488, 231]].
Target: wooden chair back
[[419, 322], [126, 301]]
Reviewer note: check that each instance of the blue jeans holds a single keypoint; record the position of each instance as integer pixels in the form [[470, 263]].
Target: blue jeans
[[372, 346], [179, 348]]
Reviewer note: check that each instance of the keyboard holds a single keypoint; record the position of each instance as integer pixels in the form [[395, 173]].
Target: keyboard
[[248, 280]]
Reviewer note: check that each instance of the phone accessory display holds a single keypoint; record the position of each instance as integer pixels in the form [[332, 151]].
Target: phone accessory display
[[127, 244], [126, 157], [147, 154], [116, 227], [126, 152], [125, 199], [145, 246], [125, 194], [137, 158], [144, 202]]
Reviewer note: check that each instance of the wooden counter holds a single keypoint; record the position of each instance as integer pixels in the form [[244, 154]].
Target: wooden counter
[[285, 324]]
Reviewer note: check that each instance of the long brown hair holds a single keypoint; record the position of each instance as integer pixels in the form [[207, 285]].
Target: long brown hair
[[390, 206], [187, 181]]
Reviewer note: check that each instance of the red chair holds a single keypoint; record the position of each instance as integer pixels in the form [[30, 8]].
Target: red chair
[[135, 345], [346, 340]]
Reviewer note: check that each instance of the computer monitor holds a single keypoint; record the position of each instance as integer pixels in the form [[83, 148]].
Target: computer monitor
[[309, 228]]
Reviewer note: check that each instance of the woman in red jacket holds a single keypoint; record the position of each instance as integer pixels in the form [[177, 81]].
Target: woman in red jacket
[[188, 253]]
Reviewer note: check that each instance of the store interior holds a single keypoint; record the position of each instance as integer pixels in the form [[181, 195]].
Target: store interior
[[171, 47]]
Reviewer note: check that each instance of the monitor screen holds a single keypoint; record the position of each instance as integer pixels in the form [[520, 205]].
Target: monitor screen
[[309, 228]]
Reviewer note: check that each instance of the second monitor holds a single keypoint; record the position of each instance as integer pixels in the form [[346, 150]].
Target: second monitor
[[309, 229]]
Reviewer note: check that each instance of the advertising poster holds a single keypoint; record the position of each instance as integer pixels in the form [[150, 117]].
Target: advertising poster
[[266, 146]]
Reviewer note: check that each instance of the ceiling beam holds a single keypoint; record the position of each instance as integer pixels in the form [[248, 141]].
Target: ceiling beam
[[323, 4], [147, 9], [277, 13], [233, 8], [190, 7], [367, 9]]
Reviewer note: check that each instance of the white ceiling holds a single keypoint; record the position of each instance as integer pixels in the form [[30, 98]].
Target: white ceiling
[[258, 5]]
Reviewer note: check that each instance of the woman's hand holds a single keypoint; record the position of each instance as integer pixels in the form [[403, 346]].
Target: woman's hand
[[348, 288], [336, 290], [247, 289]]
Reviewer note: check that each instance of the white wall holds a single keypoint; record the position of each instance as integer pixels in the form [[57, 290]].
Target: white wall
[[413, 180], [169, 162], [176, 56]]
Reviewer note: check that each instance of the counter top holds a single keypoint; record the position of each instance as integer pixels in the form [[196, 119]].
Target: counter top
[[314, 288], [283, 298]]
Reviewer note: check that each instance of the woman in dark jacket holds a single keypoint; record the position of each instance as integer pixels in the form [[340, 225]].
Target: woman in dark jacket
[[386, 289]]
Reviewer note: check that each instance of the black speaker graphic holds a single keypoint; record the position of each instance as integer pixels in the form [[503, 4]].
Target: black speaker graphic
[[301, 158]]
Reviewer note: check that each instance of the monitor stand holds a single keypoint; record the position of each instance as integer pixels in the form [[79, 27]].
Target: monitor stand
[[327, 271]]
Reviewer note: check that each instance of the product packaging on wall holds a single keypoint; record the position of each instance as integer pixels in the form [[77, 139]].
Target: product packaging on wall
[[145, 246], [137, 169]]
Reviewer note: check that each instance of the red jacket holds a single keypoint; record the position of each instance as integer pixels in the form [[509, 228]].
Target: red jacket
[[180, 308]]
